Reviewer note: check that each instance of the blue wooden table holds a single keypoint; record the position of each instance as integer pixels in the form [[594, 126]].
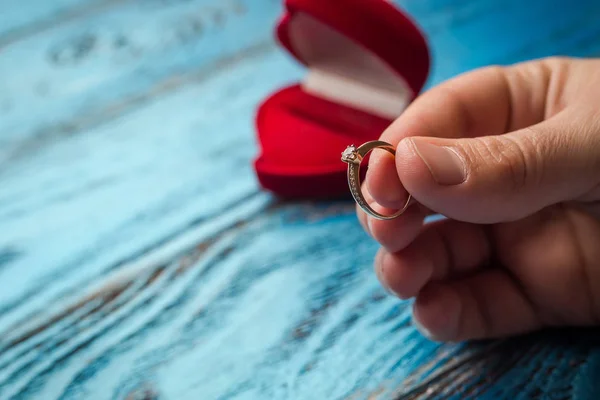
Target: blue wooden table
[[140, 260]]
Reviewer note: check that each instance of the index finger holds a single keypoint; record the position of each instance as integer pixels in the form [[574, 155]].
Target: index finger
[[488, 101]]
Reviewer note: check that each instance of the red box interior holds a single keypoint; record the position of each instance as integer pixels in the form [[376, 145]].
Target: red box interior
[[302, 133]]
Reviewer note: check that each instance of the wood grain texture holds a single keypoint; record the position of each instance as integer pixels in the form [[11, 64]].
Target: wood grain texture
[[139, 259]]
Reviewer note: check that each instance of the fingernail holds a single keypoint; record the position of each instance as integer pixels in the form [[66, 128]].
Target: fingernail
[[446, 167], [370, 225], [424, 331]]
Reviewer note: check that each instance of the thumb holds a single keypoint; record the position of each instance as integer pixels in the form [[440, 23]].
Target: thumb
[[505, 177]]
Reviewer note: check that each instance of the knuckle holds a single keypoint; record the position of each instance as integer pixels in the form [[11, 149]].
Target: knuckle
[[497, 70], [547, 75], [555, 61], [514, 162], [525, 160], [546, 63]]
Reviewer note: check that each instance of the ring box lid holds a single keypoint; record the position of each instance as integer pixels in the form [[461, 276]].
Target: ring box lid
[[366, 61]]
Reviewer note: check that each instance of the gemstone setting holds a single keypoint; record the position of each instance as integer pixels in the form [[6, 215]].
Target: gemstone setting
[[350, 154]]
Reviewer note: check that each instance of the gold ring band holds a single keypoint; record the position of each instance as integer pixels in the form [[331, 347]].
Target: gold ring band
[[353, 157]]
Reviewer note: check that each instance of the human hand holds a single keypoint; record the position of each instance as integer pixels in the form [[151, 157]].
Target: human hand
[[511, 156]]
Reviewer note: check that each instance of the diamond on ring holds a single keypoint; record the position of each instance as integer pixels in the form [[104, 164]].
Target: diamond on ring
[[353, 157], [349, 154]]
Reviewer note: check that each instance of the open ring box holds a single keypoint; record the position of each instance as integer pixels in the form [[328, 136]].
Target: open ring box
[[366, 62]]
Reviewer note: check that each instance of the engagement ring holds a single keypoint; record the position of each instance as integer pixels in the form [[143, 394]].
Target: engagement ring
[[353, 157]]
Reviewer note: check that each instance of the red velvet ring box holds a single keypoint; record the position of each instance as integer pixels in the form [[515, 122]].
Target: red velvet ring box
[[366, 62]]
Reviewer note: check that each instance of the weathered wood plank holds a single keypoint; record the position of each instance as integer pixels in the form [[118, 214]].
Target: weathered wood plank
[[87, 69], [163, 179], [82, 72], [139, 258], [20, 19], [177, 321]]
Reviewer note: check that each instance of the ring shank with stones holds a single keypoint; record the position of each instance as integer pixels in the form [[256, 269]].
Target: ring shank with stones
[[353, 157]]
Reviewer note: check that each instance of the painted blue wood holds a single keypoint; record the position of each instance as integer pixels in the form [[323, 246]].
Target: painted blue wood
[[19, 19], [138, 257], [103, 64]]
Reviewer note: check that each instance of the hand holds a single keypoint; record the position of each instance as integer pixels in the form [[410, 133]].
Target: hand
[[511, 156]]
